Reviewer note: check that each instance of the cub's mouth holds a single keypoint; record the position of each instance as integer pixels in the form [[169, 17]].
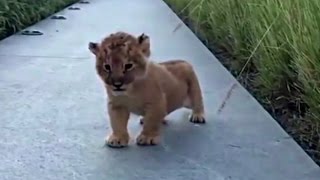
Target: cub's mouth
[[119, 89]]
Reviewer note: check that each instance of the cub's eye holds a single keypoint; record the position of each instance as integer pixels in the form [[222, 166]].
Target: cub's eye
[[107, 67], [128, 67]]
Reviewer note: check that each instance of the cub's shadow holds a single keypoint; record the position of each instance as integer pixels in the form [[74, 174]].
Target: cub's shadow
[[183, 149]]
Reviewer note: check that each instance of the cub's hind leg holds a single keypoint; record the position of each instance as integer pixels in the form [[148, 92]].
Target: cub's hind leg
[[195, 100]]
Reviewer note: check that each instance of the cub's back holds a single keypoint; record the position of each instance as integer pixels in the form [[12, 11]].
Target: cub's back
[[180, 69]]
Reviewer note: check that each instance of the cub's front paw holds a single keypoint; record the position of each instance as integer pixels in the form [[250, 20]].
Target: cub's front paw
[[115, 141], [147, 140], [197, 119]]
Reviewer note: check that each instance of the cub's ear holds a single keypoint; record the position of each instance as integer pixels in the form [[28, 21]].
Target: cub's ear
[[93, 47], [144, 39], [144, 42]]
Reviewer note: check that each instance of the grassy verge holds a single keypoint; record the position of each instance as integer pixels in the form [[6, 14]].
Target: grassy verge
[[273, 48], [18, 14]]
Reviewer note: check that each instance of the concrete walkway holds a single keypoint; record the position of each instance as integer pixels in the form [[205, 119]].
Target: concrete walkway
[[53, 108]]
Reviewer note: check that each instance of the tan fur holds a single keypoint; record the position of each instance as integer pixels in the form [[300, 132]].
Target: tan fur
[[152, 90], [122, 37]]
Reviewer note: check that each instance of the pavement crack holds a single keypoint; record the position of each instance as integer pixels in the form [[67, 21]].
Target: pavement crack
[[229, 92], [178, 27], [284, 138], [234, 146]]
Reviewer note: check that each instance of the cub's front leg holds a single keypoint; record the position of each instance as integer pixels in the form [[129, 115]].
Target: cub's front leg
[[119, 117], [152, 123]]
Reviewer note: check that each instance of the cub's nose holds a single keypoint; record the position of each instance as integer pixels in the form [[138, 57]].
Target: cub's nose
[[117, 84]]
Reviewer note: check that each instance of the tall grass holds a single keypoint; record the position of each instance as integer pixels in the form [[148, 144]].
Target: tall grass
[[18, 14], [275, 46]]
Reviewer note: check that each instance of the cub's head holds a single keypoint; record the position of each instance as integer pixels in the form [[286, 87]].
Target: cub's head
[[121, 59]]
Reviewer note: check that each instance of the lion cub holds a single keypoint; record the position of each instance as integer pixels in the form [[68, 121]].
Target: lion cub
[[134, 84]]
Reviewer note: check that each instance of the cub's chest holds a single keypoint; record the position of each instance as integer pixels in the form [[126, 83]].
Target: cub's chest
[[134, 105]]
